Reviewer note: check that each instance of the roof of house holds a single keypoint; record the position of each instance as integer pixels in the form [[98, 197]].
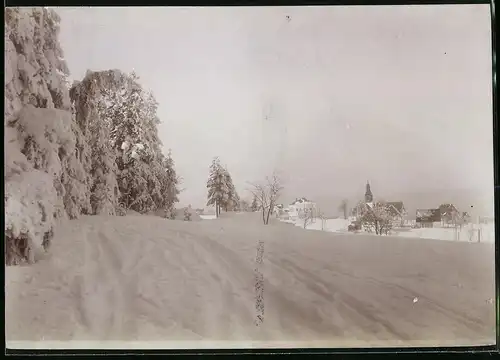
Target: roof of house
[[396, 207], [447, 208], [428, 215], [300, 201]]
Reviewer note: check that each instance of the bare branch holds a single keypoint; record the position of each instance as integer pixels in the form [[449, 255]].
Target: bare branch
[[266, 194]]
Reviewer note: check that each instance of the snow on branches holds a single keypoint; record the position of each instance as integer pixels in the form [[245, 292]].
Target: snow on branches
[[221, 190]]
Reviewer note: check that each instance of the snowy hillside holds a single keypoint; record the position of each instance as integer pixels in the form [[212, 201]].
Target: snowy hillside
[[192, 284]]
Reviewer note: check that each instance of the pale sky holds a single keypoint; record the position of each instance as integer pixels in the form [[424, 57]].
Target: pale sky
[[331, 96]]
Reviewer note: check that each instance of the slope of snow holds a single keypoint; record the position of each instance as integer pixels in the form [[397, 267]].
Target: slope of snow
[[174, 284]]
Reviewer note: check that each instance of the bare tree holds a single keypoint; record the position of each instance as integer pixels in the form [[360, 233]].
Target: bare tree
[[308, 217], [267, 195], [378, 219], [344, 208], [322, 217]]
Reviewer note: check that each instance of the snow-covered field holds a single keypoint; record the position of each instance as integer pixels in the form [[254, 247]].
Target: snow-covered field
[[208, 217], [468, 233], [172, 284], [330, 225]]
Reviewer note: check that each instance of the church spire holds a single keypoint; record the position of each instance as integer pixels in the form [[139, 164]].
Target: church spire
[[368, 193]]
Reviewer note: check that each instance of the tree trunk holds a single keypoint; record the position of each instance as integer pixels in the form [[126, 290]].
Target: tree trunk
[[268, 213], [264, 215]]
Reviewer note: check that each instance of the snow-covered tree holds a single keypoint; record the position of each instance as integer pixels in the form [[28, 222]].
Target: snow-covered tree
[[170, 182], [255, 204], [377, 218], [216, 185], [44, 176], [230, 199], [171, 214], [140, 177], [221, 191], [73, 150], [99, 159], [244, 205]]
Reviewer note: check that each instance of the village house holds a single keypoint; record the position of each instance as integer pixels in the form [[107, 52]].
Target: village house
[[300, 207], [397, 211], [427, 218], [450, 216], [279, 210]]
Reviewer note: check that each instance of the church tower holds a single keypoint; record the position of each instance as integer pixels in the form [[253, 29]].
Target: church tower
[[368, 193]]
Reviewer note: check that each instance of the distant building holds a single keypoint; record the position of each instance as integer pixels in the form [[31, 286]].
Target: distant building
[[278, 210], [299, 207], [427, 217], [397, 211], [466, 217], [363, 206], [449, 215], [368, 194]]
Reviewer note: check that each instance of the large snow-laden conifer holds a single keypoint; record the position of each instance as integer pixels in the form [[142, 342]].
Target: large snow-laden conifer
[[170, 182], [35, 70], [230, 199], [42, 170], [127, 163], [99, 158], [216, 185]]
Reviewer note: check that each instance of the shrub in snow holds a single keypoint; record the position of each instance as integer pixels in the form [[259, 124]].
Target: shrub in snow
[[187, 214], [121, 210], [31, 203]]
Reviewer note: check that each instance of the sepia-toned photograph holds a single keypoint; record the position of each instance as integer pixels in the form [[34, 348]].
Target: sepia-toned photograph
[[249, 177]]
